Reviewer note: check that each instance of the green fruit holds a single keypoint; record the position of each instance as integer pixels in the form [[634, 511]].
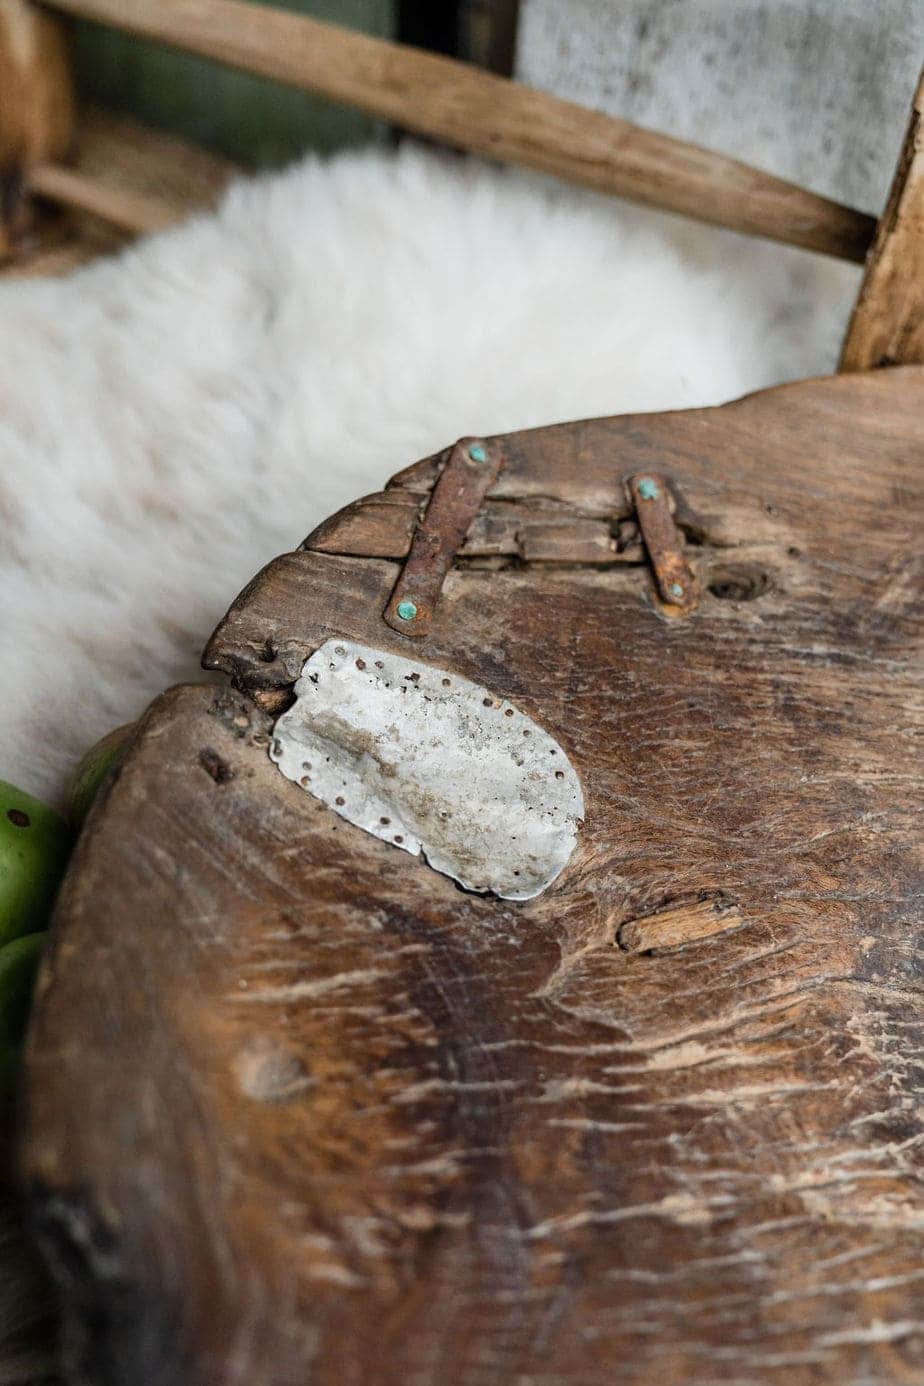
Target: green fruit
[[35, 843], [10, 1071], [92, 771], [19, 962]]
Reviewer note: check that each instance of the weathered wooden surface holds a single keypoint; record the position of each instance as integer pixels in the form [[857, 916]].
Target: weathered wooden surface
[[479, 111], [299, 1110], [887, 327]]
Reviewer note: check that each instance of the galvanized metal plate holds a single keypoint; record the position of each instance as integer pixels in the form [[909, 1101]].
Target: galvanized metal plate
[[433, 763]]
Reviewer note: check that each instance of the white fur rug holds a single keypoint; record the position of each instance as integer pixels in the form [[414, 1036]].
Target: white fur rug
[[172, 419]]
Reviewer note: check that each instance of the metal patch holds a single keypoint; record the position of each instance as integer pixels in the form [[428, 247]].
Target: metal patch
[[433, 763]]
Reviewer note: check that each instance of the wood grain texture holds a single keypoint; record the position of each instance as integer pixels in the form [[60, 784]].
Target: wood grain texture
[[470, 109], [299, 1110], [887, 326]]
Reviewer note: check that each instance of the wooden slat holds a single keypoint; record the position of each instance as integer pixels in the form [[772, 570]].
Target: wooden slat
[[125, 210], [887, 327], [479, 111]]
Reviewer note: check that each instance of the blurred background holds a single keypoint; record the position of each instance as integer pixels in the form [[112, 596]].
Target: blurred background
[[258, 123]]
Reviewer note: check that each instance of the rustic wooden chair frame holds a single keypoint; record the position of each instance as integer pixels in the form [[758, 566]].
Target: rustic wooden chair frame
[[474, 110]]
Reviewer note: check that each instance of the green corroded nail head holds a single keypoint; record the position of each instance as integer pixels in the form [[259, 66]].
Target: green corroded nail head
[[648, 489], [406, 610], [477, 453]]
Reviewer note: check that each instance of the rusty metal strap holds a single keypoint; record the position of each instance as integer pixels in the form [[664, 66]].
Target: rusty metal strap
[[461, 487], [663, 540]]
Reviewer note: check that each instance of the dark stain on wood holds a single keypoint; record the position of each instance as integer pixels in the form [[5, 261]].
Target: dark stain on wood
[[214, 766]]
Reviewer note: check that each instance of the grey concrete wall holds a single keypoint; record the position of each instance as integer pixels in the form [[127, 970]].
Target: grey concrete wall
[[814, 90]]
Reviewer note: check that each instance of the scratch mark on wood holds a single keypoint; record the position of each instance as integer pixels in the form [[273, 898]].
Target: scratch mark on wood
[[679, 924]]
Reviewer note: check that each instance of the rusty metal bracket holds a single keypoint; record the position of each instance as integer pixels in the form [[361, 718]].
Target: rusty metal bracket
[[469, 473], [676, 582]]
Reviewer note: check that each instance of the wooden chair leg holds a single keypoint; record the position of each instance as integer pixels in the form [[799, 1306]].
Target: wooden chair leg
[[36, 107], [887, 326]]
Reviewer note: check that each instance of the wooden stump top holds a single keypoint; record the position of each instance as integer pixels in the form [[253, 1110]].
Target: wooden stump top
[[300, 1110]]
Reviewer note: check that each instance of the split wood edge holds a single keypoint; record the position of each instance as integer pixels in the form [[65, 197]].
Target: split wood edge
[[887, 326], [471, 109]]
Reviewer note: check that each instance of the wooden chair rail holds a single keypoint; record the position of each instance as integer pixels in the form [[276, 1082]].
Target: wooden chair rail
[[474, 110], [127, 211], [887, 327]]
